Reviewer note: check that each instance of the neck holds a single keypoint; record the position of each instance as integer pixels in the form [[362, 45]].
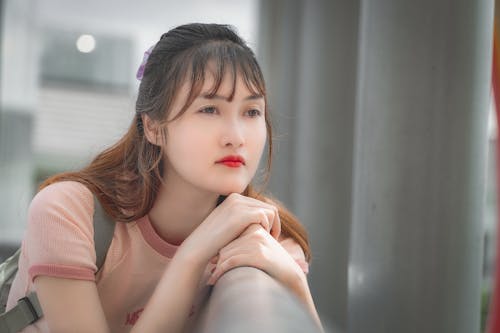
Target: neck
[[178, 210]]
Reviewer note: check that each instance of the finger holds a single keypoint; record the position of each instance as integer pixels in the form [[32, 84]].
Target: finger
[[242, 244], [251, 229], [274, 219], [276, 227], [250, 244], [261, 216], [270, 210], [253, 202], [230, 263], [244, 218], [273, 222], [214, 259]]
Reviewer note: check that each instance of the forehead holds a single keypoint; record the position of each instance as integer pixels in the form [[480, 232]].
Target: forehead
[[226, 84], [212, 83]]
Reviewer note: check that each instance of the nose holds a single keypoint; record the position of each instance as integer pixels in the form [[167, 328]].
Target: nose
[[233, 134]]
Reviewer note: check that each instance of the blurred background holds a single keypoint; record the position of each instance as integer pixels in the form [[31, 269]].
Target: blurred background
[[385, 134], [68, 81]]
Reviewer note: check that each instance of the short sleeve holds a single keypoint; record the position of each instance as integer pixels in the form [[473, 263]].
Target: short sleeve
[[296, 252], [59, 238]]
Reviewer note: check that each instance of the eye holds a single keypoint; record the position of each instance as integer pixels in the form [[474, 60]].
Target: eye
[[254, 113], [209, 110]]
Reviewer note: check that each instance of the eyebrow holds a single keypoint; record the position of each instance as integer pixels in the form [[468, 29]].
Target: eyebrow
[[250, 97]]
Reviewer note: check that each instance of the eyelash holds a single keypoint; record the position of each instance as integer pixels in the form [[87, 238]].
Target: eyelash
[[257, 113]]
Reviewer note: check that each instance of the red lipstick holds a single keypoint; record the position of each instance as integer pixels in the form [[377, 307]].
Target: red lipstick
[[232, 161]]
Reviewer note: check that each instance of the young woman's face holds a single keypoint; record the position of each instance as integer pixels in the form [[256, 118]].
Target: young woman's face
[[212, 129]]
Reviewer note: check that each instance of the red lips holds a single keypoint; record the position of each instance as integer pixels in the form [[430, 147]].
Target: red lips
[[232, 159]]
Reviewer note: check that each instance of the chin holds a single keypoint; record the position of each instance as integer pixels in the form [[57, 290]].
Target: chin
[[226, 190]]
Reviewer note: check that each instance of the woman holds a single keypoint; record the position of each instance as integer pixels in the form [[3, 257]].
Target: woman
[[178, 186]]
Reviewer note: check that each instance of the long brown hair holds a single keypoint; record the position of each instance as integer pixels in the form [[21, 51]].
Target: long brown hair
[[126, 177]]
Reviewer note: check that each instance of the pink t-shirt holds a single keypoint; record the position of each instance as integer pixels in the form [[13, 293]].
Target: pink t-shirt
[[59, 242]]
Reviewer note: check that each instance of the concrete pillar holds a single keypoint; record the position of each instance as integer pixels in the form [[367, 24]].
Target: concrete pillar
[[419, 168], [308, 50]]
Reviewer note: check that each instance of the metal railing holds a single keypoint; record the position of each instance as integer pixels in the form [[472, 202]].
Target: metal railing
[[247, 300]]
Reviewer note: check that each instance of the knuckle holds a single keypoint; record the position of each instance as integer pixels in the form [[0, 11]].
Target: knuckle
[[234, 200], [258, 236], [254, 237], [255, 228], [229, 262], [273, 211], [262, 251], [233, 197], [262, 214], [230, 199]]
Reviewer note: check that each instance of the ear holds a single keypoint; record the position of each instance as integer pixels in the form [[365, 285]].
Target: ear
[[151, 130]]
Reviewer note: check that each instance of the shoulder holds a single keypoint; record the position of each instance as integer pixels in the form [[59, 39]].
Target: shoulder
[[62, 205], [59, 240], [63, 195]]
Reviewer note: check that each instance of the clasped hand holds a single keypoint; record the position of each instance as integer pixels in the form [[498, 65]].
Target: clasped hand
[[257, 248], [243, 231]]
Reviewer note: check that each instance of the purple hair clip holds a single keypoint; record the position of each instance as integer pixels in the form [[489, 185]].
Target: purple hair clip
[[140, 71]]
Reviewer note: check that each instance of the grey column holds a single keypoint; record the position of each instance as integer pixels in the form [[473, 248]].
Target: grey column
[[17, 106], [309, 53], [419, 170]]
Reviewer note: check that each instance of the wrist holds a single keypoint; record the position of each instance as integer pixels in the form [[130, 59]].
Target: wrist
[[191, 255]]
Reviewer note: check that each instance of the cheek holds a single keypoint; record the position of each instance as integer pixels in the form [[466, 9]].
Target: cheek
[[187, 147], [258, 139]]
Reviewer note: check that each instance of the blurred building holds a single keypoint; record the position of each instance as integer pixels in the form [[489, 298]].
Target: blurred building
[[68, 81]]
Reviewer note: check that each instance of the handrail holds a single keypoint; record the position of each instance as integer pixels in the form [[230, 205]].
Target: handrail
[[247, 300]]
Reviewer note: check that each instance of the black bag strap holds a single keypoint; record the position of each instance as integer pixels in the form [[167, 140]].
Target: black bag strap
[[104, 228], [28, 309], [26, 312]]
